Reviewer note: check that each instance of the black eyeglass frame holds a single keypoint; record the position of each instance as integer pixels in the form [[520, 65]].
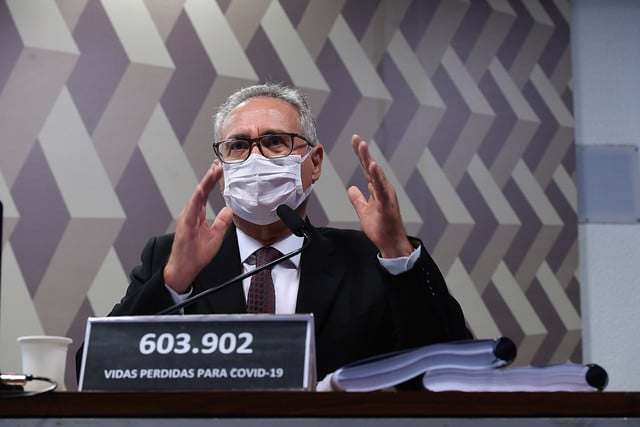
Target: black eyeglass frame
[[258, 142]]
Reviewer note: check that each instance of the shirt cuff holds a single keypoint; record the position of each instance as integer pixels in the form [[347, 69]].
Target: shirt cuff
[[176, 297], [400, 265]]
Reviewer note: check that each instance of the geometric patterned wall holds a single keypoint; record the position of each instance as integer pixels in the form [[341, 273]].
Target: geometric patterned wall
[[105, 130]]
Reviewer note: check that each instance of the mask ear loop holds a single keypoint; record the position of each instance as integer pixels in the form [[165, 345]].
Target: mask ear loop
[[305, 157]]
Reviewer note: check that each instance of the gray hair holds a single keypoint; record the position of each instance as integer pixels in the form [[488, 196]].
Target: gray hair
[[269, 90]]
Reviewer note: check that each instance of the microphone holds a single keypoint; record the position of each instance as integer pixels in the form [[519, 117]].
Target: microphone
[[293, 221], [297, 227]]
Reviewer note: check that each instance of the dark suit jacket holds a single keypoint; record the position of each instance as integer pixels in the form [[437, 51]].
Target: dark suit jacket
[[359, 309]]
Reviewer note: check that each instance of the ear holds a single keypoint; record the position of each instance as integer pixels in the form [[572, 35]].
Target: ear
[[317, 155]]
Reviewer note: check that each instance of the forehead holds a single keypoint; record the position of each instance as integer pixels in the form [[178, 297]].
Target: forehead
[[259, 115]]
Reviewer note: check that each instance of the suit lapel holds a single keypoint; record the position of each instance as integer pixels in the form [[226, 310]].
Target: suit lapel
[[322, 270], [225, 265]]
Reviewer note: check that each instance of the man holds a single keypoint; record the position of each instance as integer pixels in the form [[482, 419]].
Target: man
[[371, 292]]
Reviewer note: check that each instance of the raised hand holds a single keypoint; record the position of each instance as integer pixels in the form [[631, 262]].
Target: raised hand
[[379, 214], [196, 241]]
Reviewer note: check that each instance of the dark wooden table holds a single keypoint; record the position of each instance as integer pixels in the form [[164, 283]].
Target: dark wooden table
[[245, 404]]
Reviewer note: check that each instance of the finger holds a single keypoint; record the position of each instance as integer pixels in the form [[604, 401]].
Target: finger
[[364, 156], [223, 220], [373, 192], [380, 186], [202, 215], [361, 149], [355, 140], [193, 212], [211, 178]]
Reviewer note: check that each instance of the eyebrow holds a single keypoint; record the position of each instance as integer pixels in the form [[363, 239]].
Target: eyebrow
[[266, 132]]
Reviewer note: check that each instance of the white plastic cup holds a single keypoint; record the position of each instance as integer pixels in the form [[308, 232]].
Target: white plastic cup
[[44, 356]]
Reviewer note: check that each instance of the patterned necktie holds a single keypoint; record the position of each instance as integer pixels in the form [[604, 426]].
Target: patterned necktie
[[262, 295]]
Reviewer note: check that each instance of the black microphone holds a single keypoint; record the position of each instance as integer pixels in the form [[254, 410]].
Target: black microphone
[[292, 220], [297, 227]]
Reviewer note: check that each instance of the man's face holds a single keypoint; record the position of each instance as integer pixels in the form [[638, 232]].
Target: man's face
[[259, 116]]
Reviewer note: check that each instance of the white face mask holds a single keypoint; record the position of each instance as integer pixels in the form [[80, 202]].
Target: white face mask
[[257, 186]]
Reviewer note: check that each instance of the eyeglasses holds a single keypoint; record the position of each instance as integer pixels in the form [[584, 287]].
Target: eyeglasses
[[271, 145]]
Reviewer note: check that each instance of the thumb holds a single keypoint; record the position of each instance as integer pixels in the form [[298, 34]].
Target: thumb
[[357, 199], [223, 220]]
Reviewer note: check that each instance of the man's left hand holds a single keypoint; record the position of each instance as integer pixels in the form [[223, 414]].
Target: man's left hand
[[379, 214]]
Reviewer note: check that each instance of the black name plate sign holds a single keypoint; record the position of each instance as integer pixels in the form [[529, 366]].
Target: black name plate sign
[[199, 352]]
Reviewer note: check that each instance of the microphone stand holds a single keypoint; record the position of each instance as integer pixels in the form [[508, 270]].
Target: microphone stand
[[194, 298]]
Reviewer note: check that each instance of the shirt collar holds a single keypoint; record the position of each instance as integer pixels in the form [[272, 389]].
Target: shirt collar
[[248, 245]]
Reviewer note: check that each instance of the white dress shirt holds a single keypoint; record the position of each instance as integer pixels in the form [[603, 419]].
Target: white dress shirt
[[285, 275]]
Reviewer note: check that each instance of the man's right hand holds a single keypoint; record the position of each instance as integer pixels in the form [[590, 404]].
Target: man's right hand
[[196, 242]]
